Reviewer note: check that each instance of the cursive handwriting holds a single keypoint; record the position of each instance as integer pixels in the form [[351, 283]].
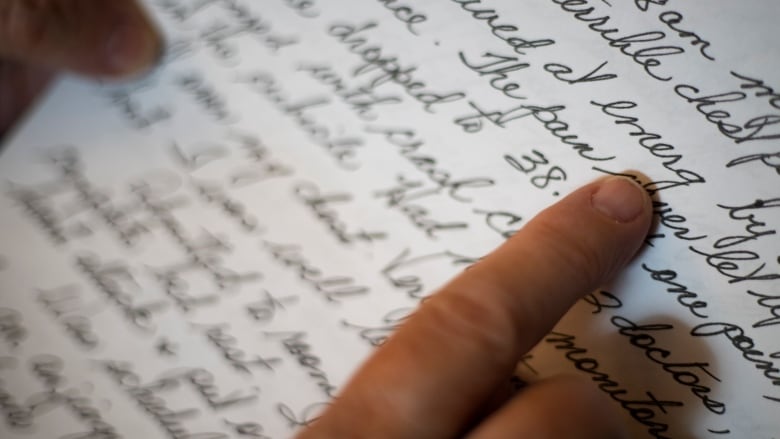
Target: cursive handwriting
[[332, 288], [320, 204], [645, 411], [388, 67], [405, 13]]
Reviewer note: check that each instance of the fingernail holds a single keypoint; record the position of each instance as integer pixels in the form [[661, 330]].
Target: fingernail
[[131, 48], [619, 198]]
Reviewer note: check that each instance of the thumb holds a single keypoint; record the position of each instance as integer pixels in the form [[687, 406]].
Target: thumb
[[94, 37]]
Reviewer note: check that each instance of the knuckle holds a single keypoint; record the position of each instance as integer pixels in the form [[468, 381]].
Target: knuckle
[[471, 322]]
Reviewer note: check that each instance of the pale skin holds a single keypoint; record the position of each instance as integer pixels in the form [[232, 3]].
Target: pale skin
[[445, 372]]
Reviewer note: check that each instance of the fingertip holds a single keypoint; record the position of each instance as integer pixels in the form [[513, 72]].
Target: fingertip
[[623, 202], [606, 220], [130, 49], [91, 37], [628, 210], [569, 249], [132, 44], [621, 199]]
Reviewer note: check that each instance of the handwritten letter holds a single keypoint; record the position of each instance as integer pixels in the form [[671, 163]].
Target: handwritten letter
[[211, 250]]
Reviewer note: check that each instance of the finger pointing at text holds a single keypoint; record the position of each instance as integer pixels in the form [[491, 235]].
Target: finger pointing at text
[[435, 375]]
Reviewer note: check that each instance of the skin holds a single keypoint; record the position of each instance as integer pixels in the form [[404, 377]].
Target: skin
[[39, 38], [445, 372], [436, 375]]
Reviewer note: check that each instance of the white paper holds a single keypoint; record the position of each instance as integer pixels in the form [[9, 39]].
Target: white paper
[[209, 252]]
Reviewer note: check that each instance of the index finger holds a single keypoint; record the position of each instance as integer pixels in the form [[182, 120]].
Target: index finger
[[431, 377]]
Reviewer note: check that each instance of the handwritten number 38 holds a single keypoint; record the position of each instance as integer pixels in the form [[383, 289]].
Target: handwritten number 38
[[533, 165]]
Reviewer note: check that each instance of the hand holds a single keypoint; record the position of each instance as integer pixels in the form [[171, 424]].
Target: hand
[[434, 377], [102, 38]]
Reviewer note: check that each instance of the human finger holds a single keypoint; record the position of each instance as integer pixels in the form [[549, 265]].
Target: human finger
[[560, 407], [431, 377], [93, 37], [19, 85]]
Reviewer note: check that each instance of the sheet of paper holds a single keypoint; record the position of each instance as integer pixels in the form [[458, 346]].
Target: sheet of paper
[[208, 252]]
